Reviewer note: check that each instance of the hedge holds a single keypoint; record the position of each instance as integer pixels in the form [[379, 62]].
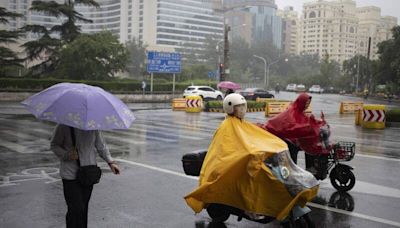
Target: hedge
[[30, 84], [393, 115]]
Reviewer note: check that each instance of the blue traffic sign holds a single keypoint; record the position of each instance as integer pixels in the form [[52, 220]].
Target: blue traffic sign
[[163, 62]]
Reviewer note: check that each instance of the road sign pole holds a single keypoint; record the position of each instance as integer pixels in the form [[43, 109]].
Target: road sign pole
[[151, 83], [173, 86]]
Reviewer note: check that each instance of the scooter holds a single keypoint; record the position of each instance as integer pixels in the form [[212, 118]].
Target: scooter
[[299, 217], [341, 176]]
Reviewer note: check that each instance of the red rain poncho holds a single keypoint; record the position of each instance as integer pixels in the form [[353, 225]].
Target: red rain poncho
[[294, 125]]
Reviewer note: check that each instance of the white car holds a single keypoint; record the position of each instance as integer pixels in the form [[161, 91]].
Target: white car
[[205, 92], [315, 89], [291, 87]]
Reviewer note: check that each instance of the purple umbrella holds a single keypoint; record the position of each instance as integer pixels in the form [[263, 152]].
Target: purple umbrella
[[80, 106], [228, 85]]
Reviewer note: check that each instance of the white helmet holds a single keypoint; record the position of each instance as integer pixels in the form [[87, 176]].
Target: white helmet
[[231, 100]]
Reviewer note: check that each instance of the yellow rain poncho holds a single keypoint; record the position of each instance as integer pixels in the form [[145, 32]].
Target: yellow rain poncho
[[234, 173]]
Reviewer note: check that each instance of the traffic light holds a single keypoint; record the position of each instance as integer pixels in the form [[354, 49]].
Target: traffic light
[[221, 68]]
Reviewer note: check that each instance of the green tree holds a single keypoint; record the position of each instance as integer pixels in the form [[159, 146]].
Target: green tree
[[96, 56], [241, 60], [7, 56], [137, 56], [389, 65], [329, 71], [358, 66], [48, 45]]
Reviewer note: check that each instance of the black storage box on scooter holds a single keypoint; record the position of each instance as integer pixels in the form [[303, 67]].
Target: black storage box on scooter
[[192, 162]]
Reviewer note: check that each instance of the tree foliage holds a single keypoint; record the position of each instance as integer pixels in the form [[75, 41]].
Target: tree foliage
[[7, 56], [137, 56], [389, 60], [92, 57], [329, 71], [51, 40]]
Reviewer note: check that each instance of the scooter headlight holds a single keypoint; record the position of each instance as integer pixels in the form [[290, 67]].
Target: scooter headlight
[[285, 172]]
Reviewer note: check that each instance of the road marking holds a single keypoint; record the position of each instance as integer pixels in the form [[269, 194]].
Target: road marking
[[339, 211], [377, 157], [355, 214], [368, 188], [14, 146], [157, 169]]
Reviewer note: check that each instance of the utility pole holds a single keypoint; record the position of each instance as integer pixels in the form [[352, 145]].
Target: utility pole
[[358, 72], [368, 65], [225, 73]]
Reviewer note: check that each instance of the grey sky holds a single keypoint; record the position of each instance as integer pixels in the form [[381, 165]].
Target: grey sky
[[388, 7]]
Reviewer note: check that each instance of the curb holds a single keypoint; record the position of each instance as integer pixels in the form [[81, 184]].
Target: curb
[[393, 124]]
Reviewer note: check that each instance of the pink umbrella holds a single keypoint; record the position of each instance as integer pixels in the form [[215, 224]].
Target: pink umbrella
[[228, 85]]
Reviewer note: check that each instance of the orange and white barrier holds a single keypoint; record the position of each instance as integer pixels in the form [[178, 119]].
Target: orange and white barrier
[[179, 104], [350, 107], [194, 104], [273, 108]]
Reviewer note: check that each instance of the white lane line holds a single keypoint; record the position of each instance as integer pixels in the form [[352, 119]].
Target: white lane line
[[14, 146], [377, 157], [157, 169], [165, 133], [339, 211], [134, 141], [367, 188], [355, 214]]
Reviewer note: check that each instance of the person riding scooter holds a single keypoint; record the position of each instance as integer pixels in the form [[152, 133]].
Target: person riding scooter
[[299, 130], [248, 169]]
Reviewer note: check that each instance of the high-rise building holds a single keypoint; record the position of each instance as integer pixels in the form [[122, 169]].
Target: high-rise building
[[165, 25], [340, 29], [289, 29], [178, 25], [371, 24], [112, 15], [260, 15]]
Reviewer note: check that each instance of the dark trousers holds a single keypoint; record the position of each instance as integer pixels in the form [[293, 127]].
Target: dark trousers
[[77, 198], [294, 150]]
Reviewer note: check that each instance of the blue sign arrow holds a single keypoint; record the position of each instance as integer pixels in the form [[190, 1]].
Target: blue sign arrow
[[163, 62]]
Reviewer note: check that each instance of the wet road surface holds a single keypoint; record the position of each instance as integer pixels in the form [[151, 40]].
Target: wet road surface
[[150, 191]]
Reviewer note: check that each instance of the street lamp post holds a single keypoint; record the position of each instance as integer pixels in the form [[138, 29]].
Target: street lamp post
[[266, 69]]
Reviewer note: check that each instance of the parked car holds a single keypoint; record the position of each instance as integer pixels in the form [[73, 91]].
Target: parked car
[[315, 89], [331, 89], [300, 88], [254, 93], [291, 87], [205, 92]]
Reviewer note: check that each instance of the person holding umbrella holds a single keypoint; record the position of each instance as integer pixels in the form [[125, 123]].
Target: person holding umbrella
[[81, 112], [229, 86], [87, 143]]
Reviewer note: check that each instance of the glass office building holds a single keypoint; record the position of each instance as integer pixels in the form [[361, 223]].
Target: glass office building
[[178, 24], [265, 24]]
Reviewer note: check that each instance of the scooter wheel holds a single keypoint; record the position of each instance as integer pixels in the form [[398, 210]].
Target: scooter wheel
[[342, 179], [217, 212]]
